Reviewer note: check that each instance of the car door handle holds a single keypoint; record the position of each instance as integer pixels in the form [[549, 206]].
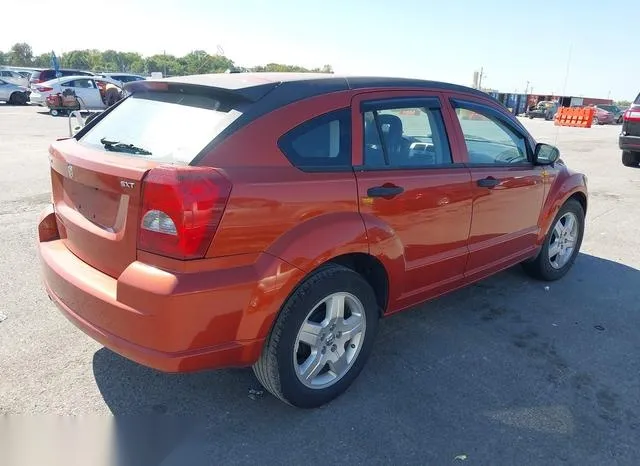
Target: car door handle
[[384, 191], [489, 182]]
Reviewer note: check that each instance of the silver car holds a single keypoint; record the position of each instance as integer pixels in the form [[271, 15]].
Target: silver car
[[13, 94]]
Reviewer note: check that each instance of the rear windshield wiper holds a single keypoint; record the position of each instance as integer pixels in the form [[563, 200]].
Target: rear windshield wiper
[[117, 146]]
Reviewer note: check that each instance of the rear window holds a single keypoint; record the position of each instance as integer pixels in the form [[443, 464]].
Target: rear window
[[168, 127]]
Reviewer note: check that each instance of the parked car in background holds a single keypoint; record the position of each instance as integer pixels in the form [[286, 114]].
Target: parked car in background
[[168, 241], [123, 77], [629, 140], [49, 74], [602, 116], [14, 77], [12, 93], [615, 110], [88, 89], [545, 109]]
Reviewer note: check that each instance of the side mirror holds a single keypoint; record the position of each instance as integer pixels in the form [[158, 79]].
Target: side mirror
[[546, 154]]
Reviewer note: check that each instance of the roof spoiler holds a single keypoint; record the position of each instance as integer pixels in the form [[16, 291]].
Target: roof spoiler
[[246, 94]]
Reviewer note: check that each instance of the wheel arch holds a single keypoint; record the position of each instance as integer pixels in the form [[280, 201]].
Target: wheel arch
[[569, 186], [337, 238]]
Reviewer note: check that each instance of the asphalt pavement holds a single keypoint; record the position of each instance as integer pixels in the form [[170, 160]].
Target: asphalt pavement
[[508, 371]]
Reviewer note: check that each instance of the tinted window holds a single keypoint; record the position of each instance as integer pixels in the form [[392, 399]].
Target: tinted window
[[489, 140], [323, 142], [173, 126], [405, 137], [47, 75], [80, 83], [637, 101]]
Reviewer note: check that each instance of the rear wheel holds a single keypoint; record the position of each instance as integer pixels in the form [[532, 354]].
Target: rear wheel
[[321, 339], [596, 121], [561, 246], [630, 159]]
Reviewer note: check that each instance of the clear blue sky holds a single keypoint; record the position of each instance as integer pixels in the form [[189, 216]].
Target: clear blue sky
[[515, 41]]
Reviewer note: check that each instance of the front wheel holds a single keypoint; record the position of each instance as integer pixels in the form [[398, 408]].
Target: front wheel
[[595, 121], [561, 245], [321, 339]]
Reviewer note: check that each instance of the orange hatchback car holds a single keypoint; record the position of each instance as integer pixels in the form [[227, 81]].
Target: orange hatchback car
[[271, 220]]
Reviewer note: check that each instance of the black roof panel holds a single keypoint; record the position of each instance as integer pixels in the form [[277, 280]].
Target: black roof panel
[[256, 85]]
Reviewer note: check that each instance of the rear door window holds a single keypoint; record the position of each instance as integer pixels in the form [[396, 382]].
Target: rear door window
[[407, 135], [169, 127]]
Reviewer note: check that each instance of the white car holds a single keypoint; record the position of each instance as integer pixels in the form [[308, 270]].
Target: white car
[[86, 88], [14, 77], [123, 77]]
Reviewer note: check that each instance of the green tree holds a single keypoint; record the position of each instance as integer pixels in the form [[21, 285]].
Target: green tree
[[20, 55], [43, 60], [168, 65], [77, 59], [3, 58], [623, 103]]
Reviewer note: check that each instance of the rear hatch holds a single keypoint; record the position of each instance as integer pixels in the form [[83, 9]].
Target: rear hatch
[[98, 177], [96, 198]]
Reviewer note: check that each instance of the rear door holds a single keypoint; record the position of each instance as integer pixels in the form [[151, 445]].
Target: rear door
[[408, 179], [508, 189]]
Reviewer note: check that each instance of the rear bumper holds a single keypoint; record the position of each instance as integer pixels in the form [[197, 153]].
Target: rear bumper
[[168, 321], [36, 99], [630, 143]]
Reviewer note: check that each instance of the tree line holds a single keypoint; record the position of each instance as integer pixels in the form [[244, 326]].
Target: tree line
[[195, 62]]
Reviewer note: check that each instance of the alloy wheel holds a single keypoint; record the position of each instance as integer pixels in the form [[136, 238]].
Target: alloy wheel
[[329, 340], [563, 240]]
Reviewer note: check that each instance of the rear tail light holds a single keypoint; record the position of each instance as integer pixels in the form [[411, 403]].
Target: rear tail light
[[181, 210], [632, 115], [44, 88]]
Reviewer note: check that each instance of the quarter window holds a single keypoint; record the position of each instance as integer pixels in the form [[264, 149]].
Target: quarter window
[[411, 136], [489, 140], [320, 143]]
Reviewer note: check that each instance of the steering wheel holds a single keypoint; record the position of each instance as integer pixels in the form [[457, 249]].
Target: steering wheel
[[507, 156]]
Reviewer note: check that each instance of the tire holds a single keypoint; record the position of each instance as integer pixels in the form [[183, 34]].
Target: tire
[[284, 356], [53, 112], [543, 267], [595, 121], [630, 159], [18, 98]]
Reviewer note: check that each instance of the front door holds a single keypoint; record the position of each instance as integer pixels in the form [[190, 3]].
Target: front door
[[409, 182], [87, 92], [508, 188]]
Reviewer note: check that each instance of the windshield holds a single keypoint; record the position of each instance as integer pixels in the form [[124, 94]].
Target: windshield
[[609, 108], [164, 126]]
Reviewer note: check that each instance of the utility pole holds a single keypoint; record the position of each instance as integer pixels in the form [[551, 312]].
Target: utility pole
[[526, 89], [480, 78]]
